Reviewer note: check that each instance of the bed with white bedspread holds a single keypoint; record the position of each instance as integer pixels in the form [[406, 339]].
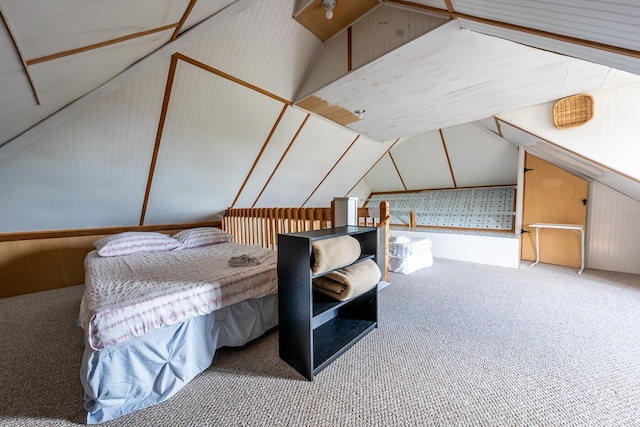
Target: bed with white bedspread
[[153, 319]]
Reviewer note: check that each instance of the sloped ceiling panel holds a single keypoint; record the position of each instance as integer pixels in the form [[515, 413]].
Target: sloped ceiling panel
[[90, 171], [428, 84], [47, 28], [570, 161], [611, 23], [87, 70], [315, 151], [63, 80], [16, 90], [283, 135], [384, 177], [262, 46], [214, 130], [479, 157], [598, 56], [349, 170], [422, 163]]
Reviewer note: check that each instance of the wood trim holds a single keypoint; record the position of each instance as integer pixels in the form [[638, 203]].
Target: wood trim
[[398, 171], [498, 126], [282, 158], [330, 170], [568, 39], [446, 152], [449, 6], [378, 161], [80, 232], [156, 147], [349, 50], [231, 78], [99, 45], [185, 15], [255, 163], [572, 152], [442, 189], [20, 55]]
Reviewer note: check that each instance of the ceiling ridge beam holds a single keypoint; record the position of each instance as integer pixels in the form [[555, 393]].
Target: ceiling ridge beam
[[150, 61]]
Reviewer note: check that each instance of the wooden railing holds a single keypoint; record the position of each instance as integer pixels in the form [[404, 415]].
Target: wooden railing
[[261, 226]]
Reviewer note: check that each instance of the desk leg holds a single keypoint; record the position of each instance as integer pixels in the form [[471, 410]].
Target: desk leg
[[537, 248], [581, 252]]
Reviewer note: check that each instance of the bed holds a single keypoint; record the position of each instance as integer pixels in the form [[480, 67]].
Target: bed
[[409, 254], [154, 314]]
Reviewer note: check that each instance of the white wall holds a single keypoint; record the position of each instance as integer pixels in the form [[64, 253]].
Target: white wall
[[613, 231]]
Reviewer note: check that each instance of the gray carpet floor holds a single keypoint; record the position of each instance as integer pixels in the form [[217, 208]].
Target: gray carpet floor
[[458, 344]]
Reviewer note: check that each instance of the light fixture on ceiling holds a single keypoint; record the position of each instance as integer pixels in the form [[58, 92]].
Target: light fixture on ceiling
[[328, 5], [360, 113]]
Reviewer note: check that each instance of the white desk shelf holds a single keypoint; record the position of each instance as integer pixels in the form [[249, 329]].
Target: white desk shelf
[[576, 228]]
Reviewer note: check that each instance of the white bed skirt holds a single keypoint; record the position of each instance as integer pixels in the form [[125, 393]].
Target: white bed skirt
[[147, 370]]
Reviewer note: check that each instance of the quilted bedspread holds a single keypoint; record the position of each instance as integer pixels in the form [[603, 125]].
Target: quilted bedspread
[[128, 296]]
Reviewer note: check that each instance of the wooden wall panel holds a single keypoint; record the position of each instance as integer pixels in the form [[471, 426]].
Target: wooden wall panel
[[40, 264]]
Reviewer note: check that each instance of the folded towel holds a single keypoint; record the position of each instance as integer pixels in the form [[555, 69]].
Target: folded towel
[[251, 257], [243, 261], [335, 252], [349, 282]]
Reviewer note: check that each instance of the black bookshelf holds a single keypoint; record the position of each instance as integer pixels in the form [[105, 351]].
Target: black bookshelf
[[314, 328]]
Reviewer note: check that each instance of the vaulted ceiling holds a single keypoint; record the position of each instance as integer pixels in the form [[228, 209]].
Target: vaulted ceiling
[[157, 111]]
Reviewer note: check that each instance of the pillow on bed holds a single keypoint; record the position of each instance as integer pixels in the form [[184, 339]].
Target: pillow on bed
[[132, 242], [202, 236]]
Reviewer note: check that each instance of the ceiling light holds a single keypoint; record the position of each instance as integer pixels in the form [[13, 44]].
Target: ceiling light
[[328, 5], [360, 113]]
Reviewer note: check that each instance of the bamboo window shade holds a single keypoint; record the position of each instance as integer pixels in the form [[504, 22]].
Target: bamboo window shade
[[573, 111]]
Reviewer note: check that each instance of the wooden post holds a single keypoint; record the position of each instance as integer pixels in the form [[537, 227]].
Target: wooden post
[[412, 219], [384, 215]]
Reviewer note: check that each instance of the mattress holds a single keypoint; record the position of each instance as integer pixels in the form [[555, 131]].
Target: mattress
[[129, 296]]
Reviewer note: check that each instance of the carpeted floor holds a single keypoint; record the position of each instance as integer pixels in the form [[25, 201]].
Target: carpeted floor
[[457, 344]]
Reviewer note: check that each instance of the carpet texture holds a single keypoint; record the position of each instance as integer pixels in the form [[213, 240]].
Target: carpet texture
[[458, 344]]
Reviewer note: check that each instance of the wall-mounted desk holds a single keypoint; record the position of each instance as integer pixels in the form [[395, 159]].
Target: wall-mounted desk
[[576, 228]]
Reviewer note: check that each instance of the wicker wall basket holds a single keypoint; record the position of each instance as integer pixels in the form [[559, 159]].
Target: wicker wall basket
[[573, 111]]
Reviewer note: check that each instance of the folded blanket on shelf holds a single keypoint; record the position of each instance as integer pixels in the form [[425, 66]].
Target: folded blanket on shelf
[[335, 252], [349, 282]]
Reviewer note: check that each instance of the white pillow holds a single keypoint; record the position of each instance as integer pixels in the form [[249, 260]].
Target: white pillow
[[202, 236], [131, 242]]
